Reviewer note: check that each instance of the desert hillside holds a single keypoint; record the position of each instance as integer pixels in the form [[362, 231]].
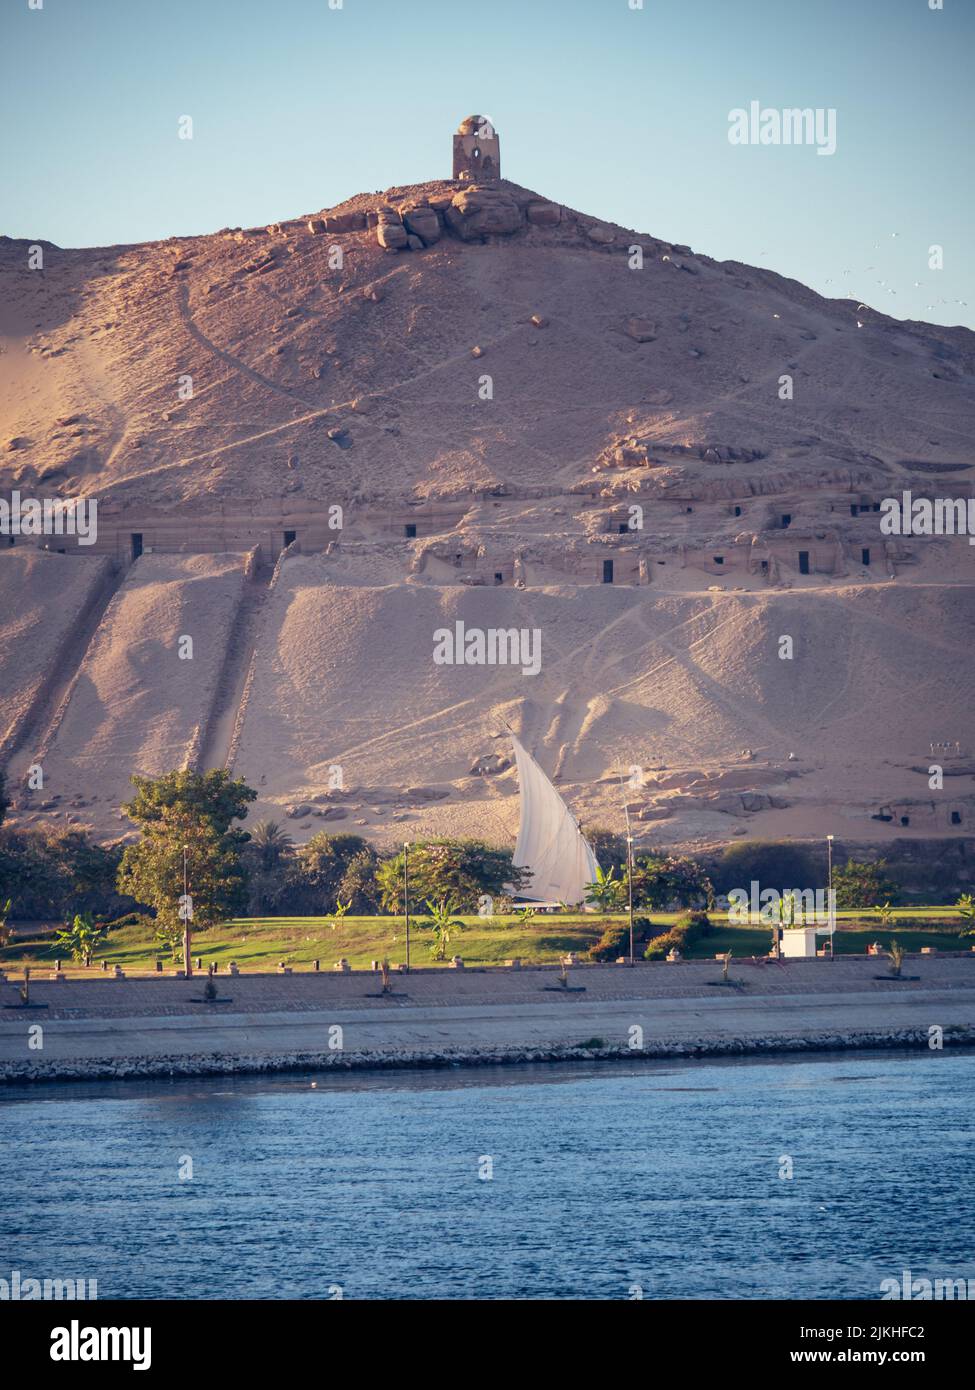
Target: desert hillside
[[314, 445]]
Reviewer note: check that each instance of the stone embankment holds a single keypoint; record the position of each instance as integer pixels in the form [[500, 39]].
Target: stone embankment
[[131, 1068], [161, 1025]]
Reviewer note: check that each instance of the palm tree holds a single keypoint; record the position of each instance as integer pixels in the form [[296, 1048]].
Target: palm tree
[[271, 843], [966, 911], [443, 924], [606, 891], [896, 954], [81, 938]]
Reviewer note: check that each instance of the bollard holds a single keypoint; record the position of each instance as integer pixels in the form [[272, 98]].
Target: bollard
[[158, 967], [104, 964], [316, 964]]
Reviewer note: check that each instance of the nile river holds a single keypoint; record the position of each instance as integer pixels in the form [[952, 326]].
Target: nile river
[[603, 1181]]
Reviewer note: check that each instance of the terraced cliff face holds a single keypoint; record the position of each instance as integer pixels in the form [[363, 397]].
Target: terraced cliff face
[[527, 419]]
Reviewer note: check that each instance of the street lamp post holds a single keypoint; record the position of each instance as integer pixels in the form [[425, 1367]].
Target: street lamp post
[[629, 863], [829, 892], [187, 963], [629, 881], [406, 898]]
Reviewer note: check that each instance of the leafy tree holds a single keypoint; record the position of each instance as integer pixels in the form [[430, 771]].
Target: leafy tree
[[462, 870], [55, 872], [213, 797], [88, 871], [30, 875], [966, 911], [81, 939], [659, 880], [191, 811], [324, 862], [358, 886], [773, 864], [863, 885]]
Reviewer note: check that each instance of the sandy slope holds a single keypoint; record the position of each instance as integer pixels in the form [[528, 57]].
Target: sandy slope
[[684, 683], [136, 705], [280, 352], [41, 597], [314, 384]]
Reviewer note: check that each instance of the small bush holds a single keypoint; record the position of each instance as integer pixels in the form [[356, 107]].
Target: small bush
[[131, 919], [685, 931], [615, 940]]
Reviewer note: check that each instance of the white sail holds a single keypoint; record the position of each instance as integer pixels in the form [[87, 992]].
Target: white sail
[[549, 841]]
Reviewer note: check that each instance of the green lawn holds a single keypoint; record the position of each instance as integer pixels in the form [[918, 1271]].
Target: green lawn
[[260, 943]]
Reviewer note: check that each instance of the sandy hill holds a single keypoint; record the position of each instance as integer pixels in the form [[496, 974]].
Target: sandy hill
[[487, 383]]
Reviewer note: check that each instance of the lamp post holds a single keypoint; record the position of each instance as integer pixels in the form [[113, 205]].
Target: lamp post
[[629, 880], [406, 898], [187, 962], [829, 892], [629, 863]]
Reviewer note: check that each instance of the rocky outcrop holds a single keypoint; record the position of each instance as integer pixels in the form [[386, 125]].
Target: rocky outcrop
[[544, 214], [481, 212], [345, 222], [390, 232], [422, 221]]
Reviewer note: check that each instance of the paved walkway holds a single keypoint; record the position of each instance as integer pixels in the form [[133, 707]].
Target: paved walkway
[[564, 1019]]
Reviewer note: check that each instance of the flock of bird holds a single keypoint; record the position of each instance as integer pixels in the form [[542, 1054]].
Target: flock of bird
[[883, 284]]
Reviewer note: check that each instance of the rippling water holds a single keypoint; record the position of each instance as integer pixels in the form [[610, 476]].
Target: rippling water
[[657, 1176]]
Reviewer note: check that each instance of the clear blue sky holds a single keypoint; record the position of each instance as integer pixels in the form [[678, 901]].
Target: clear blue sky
[[620, 113]]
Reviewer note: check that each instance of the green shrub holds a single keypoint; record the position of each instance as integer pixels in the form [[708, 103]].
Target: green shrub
[[132, 919], [615, 940], [684, 933]]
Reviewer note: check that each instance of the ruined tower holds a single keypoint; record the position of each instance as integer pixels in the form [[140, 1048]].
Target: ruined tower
[[477, 151]]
